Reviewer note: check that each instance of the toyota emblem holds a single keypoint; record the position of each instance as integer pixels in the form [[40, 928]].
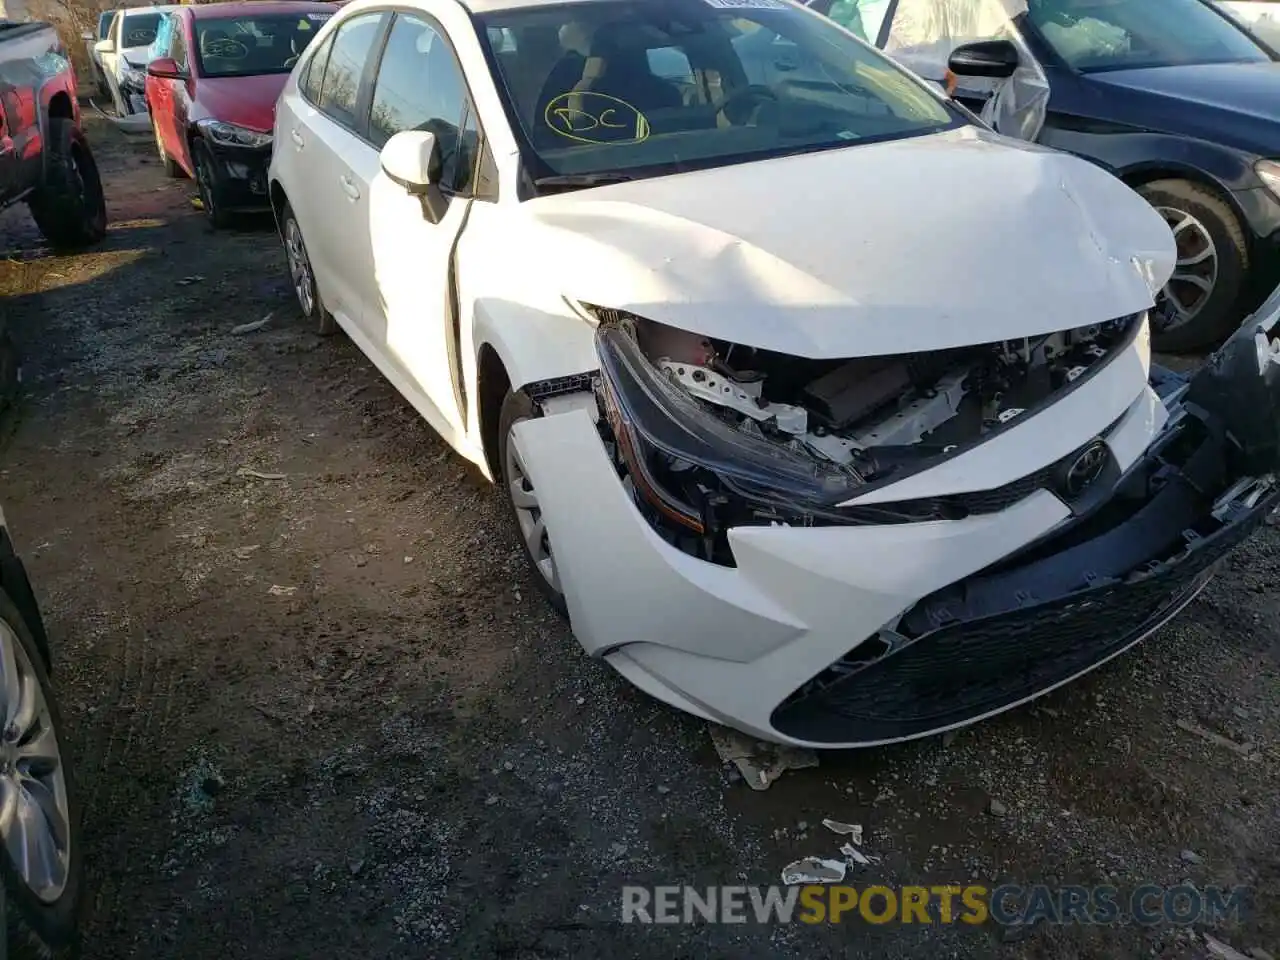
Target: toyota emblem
[[1085, 469]]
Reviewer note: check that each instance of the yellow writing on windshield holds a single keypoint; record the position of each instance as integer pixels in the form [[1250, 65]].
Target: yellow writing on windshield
[[591, 117]]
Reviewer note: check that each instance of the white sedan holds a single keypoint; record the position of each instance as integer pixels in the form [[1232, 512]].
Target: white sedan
[[823, 411]]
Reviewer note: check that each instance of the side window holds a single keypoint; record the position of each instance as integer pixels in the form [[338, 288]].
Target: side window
[[420, 87], [160, 45], [340, 88], [313, 72]]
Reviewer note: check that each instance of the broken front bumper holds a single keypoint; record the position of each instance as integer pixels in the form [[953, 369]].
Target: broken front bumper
[[243, 170], [842, 636]]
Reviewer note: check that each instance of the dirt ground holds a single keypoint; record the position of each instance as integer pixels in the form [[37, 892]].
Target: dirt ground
[[328, 715]]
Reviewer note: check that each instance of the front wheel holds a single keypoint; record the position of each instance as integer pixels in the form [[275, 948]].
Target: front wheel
[[69, 208], [209, 183], [39, 809], [530, 522], [1200, 305]]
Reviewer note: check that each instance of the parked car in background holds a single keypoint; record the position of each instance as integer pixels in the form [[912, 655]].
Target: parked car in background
[[40, 856], [44, 157], [125, 53], [1175, 98], [823, 411], [212, 94], [1262, 17], [91, 40]]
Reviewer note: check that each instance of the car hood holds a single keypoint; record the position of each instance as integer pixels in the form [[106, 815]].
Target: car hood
[[933, 242], [1211, 100], [246, 101]]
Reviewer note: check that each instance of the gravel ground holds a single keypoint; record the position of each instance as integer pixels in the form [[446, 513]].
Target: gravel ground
[[327, 715]]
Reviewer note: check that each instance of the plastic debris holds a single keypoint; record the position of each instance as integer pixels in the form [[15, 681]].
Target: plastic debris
[[759, 763], [244, 553], [188, 281], [1243, 749], [250, 327], [813, 870], [853, 855], [258, 474], [279, 591], [851, 830], [1221, 950]]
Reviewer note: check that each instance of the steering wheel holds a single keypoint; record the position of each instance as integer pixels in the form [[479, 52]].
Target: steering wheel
[[226, 50], [754, 92]]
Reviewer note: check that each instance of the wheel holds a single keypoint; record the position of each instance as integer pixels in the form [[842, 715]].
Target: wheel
[[529, 521], [1201, 300], [171, 168], [39, 807], [69, 208], [209, 182], [10, 370], [303, 277]]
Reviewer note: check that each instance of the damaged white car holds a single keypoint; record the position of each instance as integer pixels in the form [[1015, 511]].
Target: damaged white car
[[824, 412]]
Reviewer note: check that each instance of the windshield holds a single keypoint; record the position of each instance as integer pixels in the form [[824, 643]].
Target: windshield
[[139, 29], [1095, 35], [633, 89], [104, 24], [249, 45]]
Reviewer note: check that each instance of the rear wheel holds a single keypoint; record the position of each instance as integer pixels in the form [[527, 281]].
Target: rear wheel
[[69, 208], [39, 809], [303, 277], [1200, 305], [530, 522]]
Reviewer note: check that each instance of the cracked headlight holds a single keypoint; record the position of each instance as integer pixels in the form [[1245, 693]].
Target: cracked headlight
[[132, 76], [233, 135], [648, 413], [1268, 172]]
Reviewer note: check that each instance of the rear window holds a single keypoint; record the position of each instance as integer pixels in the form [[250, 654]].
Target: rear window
[[249, 46]]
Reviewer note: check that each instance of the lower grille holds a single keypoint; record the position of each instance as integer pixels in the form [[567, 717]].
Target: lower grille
[[965, 670]]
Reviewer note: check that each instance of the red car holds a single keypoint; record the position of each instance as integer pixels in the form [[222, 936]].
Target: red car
[[212, 95]]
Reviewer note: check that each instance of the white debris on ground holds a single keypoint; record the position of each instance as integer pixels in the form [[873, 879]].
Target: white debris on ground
[[760, 763], [813, 870]]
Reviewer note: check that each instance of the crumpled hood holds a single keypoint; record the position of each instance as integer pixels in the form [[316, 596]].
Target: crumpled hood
[[933, 242]]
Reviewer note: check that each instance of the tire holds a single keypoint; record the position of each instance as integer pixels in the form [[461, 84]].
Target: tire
[[69, 208], [517, 406], [171, 168], [209, 182], [42, 927], [1202, 211], [10, 370], [303, 276]]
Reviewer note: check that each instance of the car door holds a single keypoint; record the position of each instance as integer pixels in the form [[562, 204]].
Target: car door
[[419, 86], [325, 123], [175, 96]]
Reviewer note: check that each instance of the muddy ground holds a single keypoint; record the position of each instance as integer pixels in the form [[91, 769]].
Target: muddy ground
[[328, 715]]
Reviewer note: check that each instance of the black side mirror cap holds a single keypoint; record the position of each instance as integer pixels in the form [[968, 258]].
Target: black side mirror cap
[[984, 58]]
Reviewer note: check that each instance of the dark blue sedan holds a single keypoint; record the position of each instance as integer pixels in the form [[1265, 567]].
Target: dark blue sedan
[[1173, 96]]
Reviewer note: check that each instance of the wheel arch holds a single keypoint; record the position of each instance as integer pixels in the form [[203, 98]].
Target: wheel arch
[[1143, 174], [278, 199], [492, 384]]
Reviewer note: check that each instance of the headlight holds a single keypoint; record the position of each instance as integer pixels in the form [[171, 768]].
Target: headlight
[[649, 414], [134, 76], [231, 135], [1269, 172]]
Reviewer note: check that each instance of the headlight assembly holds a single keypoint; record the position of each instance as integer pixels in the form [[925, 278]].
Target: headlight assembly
[[648, 414], [232, 135]]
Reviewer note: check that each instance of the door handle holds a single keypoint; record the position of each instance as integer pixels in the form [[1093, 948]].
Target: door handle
[[296, 137], [349, 187]]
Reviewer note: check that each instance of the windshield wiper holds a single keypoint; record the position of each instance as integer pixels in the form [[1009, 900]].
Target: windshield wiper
[[583, 179]]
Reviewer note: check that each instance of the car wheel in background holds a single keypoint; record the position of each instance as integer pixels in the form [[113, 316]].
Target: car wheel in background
[[209, 183], [171, 168], [530, 523], [1200, 303], [39, 807], [69, 208], [302, 276]]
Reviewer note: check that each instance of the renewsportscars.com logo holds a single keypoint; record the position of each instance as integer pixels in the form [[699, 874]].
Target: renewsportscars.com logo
[[974, 904]]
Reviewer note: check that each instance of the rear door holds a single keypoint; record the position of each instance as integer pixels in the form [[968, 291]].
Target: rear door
[[324, 126]]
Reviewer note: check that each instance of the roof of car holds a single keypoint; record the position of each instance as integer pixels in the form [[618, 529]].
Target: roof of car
[[261, 7], [158, 8]]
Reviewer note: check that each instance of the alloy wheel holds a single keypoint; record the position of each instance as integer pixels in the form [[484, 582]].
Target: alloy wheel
[[533, 525], [34, 812], [1196, 269], [299, 267], [204, 183]]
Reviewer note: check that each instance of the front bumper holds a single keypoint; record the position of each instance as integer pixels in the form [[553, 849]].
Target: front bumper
[[243, 176], [845, 636]]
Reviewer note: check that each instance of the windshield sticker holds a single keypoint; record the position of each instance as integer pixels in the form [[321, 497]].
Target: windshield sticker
[[590, 117], [303, 25], [747, 4], [319, 17]]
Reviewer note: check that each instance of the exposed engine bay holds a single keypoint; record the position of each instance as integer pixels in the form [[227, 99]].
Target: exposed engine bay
[[711, 434]]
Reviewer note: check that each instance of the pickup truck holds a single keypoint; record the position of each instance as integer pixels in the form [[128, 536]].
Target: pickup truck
[[44, 157]]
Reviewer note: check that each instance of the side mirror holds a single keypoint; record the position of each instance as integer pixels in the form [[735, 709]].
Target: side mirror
[[86, 35], [165, 68], [410, 159], [105, 46], [984, 58]]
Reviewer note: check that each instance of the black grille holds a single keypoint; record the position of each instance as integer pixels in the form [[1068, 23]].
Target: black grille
[[961, 671]]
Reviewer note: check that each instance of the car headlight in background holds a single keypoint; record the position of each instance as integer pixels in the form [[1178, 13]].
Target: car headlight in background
[[1269, 172], [134, 75], [232, 135]]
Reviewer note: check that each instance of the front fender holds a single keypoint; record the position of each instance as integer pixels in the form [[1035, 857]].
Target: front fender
[[534, 343]]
